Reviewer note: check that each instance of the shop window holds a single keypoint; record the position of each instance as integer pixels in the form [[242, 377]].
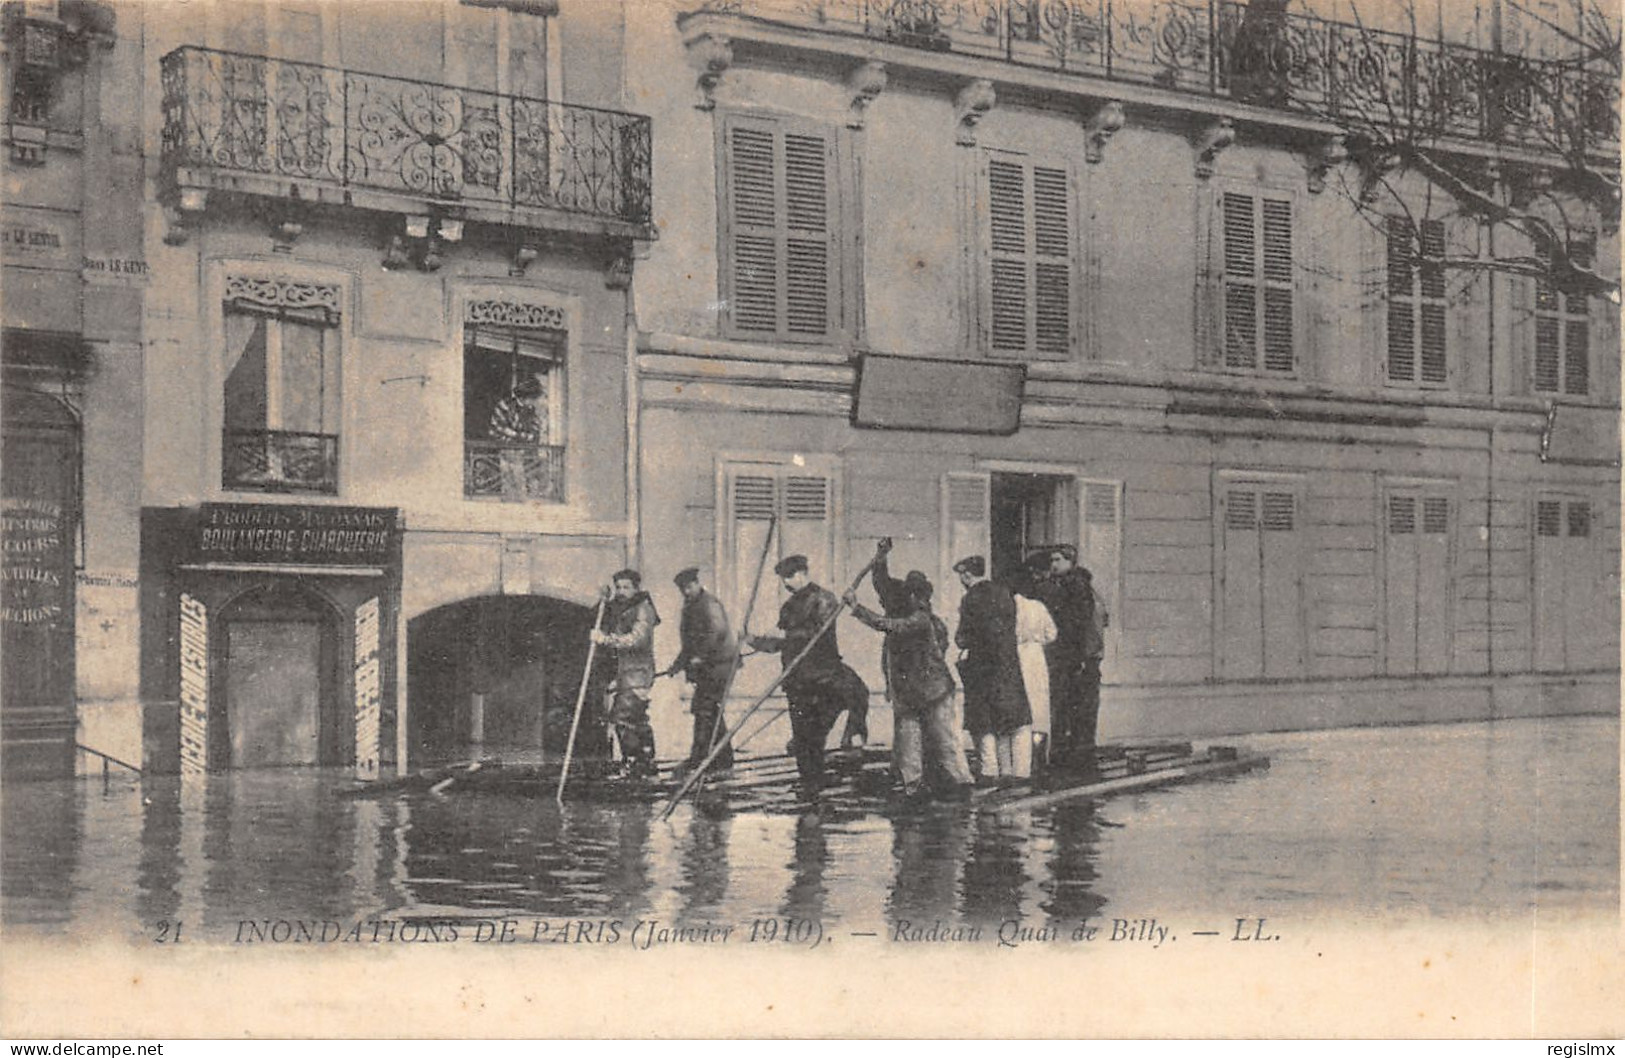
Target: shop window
[[513, 413], [282, 404]]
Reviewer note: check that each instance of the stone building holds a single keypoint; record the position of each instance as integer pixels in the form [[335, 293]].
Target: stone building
[[1253, 306], [385, 390]]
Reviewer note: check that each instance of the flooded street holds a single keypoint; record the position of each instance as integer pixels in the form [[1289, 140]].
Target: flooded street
[[1478, 820]]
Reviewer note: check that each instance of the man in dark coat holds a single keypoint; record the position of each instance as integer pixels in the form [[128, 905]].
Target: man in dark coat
[[821, 686], [1074, 659], [707, 656], [995, 698], [917, 673]]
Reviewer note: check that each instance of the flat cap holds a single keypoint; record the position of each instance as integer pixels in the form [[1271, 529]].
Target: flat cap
[[790, 565], [686, 576], [975, 565]]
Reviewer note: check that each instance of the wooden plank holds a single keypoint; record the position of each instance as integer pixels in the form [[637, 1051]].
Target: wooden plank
[[1135, 783], [1194, 533]]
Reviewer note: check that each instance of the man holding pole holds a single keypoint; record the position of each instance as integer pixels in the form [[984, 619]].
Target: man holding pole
[[707, 656], [818, 687], [632, 620]]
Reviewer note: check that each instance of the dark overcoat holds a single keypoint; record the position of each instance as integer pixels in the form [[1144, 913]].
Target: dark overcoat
[[995, 697]]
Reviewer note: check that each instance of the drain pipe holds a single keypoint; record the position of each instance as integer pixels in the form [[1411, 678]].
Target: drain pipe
[[634, 461]]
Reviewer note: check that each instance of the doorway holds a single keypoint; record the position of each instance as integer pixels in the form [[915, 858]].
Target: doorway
[[280, 685], [1028, 511]]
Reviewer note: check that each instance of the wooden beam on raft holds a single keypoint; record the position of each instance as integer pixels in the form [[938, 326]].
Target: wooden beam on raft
[[1213, 767]]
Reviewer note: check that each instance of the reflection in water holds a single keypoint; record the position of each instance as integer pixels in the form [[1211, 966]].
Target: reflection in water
[[1326, 830]]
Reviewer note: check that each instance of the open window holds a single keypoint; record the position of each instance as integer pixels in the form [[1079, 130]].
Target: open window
[[513, 413]]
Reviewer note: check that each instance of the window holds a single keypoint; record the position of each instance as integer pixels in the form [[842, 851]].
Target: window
[[1416, 303], [513, 412], [1256, 303], [782, 259], [1563, 329], [281, 408], [1416, 584], [1261, 613], [1030, 273]]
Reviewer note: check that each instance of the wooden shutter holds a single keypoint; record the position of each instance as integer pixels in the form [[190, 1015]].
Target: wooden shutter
[[1030, 270], [1280, 581], [1416, 583], [1258, 280], [1100, 549], [805, 519], [1550, 609], [966, 499], [1241, 641], [1417, 315], [1562, 329], [781, 271], [802, 499]]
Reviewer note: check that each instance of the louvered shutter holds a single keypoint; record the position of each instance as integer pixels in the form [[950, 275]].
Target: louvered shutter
[[752, 502], [1279, 350], [1100, 549], [1562, 329], [1241, 644], [782, 267], [965, 520], [1417, 315], [1431, 294], [1030, 238], [1240, 283], [806, 521], [1416, 587], [1399, 587]]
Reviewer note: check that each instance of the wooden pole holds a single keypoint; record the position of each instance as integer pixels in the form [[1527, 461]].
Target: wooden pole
[[829, 622], [581, 699], [744, 631]]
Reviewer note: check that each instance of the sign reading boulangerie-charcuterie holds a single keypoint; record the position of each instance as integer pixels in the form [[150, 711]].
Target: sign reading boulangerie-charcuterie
[[302, 535]]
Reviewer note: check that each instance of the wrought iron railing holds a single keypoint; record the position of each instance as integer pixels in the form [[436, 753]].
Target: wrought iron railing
[[280, 461], [500, 470], [1339, 71], [250, 114]]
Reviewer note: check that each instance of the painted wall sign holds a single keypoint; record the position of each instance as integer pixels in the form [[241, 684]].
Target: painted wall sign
[[34, 571], [301, 535], [114, 271], [31, 236], [368, 689], [194, 642], [954, 396]]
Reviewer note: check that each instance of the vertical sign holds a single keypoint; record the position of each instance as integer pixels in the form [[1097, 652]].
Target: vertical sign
[[368, 701], [194, 689]]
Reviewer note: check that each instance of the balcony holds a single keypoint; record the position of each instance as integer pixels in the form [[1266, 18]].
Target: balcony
[[1318, 69], [280, 461], [513, 473], [255, 125]]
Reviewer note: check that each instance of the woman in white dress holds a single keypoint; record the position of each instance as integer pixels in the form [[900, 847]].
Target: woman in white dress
[[1035, 629]]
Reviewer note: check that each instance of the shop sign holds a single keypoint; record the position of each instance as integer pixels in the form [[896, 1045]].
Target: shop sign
[[952, 396], [34, 571], [368, 692], [35, 237], [194, 643], [266, 534], [114, 271]]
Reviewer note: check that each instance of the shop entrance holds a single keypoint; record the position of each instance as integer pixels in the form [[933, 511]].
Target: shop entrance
[[1028, 511], [280, 684], [498, 676]]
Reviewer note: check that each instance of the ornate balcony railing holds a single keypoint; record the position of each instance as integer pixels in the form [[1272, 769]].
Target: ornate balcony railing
[[247, 114], [514, 473], [1333, 70], [280, 461]]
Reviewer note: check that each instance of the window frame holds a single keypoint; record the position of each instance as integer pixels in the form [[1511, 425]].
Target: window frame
[[220, 275], [1212, 352], [1419, 300], [534, 308], [1560, 313], [982, 303], [843, 218]]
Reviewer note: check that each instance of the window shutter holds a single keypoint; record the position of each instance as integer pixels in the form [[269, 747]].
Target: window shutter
[[1549, 518], [1417, 315], [1435, 514], [1279, 351], [1278, 513], [965, 518], [753, 301], [806, 521], [1577, 357], [1030, 266], [1401, 341], [782, 258], [1548, 352], [807, 252], [1401, 515], [1240, 283]]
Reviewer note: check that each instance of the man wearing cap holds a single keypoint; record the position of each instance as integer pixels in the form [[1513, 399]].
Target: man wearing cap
[[922, 689], [996, 710], [820, 686], [631, 619], [1074, 658], [707, 655]]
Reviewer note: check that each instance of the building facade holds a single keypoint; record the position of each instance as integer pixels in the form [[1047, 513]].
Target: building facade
[[74, 274], [1224, 296], [385, 393]]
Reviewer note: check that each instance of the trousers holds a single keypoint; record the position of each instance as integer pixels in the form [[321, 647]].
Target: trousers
[[928, 737], [630, 715]]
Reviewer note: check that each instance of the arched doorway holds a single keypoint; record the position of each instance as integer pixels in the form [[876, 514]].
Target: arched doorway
[[498, 676], [279, 696]]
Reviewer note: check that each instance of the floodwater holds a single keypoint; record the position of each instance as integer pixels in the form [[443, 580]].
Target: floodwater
[[1473, 820]]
